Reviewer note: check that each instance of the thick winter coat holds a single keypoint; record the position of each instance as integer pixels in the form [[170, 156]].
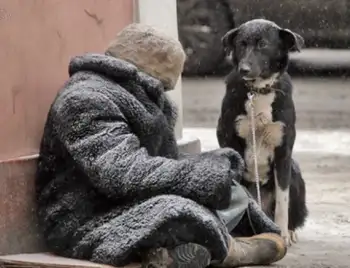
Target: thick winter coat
[[110, 180]]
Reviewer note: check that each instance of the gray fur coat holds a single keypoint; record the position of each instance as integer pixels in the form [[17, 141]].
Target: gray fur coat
[[110, 181]]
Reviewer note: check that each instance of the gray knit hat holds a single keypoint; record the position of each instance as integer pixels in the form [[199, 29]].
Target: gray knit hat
[[151, 50]]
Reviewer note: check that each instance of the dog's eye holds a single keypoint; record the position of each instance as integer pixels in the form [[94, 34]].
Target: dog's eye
[[262, 44]]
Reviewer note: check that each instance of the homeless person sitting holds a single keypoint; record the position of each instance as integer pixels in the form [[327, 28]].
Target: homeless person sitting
[[111, 185]]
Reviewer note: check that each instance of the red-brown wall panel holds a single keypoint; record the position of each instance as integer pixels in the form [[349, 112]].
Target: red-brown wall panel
[[37, 40]]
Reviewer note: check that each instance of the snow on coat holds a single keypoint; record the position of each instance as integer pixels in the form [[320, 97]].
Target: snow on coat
[[110, 180]]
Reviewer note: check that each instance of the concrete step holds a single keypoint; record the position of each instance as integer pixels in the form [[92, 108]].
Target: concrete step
[[46, 260]]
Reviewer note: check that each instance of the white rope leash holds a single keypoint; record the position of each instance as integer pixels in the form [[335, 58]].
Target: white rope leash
[[256, 170]]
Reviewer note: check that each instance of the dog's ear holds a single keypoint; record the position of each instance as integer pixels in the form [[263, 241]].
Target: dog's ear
[[293, 41], [228, 40]]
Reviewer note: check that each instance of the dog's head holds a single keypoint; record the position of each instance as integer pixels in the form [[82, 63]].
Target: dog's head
[[260, 48]]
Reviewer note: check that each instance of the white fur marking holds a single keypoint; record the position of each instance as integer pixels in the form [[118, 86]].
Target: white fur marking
[[282, 210], [269, 135]]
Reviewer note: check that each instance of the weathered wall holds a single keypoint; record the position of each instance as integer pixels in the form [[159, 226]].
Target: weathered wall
[[37, 39], [165, 19]]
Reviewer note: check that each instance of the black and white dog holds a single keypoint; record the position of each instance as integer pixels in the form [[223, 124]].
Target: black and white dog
[[259, 51]]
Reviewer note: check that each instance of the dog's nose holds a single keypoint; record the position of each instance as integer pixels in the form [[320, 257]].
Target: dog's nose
[[244, 69]]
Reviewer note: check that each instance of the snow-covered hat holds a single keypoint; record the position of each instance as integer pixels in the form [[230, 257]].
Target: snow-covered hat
[[151, 50]]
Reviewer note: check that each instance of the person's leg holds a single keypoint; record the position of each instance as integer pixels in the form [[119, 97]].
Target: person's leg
[[195, 255], [187, 240], [190, 234], [237, 209], [262, 245], [262, 249]]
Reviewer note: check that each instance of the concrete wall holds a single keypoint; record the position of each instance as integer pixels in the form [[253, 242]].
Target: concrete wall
[[163, 14], [37, 39]]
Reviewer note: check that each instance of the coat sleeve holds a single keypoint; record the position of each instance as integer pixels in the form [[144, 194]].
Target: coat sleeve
[[98, 138]]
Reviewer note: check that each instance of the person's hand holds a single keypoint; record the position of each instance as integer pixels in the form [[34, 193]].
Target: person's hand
[[237, 162]]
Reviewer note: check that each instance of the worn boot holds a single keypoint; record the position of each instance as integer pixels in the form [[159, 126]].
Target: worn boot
[[260, 249], [183, 256]]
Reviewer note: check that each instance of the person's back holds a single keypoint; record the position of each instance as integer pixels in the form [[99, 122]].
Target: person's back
[[71, 198], [110, 183]]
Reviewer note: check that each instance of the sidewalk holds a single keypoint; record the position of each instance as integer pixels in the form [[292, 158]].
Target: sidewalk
[[307, 141], [324, 157]]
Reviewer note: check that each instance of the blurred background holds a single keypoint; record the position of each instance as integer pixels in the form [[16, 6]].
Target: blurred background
[[324, 24], [321, 94], [320, 71]]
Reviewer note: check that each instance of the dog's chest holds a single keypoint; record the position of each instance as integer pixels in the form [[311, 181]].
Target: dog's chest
[[268, 134]]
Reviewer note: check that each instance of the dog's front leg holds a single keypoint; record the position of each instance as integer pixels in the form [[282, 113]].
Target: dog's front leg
[[282, 175]]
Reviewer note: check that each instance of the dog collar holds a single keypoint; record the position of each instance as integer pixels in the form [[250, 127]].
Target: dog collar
[[263, 91]]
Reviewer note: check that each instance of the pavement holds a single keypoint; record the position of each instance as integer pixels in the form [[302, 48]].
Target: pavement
[[323, 150]]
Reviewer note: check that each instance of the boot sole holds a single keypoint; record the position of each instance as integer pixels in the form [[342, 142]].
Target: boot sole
[[184, 256], [189, 256]]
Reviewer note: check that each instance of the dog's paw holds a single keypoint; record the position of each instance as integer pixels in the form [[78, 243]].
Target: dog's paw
[[289, 237], [293, 236]]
